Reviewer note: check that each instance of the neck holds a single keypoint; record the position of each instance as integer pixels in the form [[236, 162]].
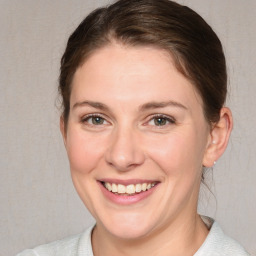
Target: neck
[[179, 238]]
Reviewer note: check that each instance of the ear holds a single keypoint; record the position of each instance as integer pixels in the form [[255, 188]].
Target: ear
[[218, 139], [63, 130]]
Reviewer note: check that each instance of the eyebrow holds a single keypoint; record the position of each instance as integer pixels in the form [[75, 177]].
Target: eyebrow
[[163, 104], [144, 107], [93, 104]]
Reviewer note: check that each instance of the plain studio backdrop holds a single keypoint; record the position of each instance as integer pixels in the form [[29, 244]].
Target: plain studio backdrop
[[37, 198]]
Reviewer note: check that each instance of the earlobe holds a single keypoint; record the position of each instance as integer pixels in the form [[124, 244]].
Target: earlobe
[[63, 130], [219, 138]]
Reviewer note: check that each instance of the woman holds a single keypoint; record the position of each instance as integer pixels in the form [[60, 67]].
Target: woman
[[143, 84]]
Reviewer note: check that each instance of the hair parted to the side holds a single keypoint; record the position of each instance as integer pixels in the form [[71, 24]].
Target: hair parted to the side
[[194, 47]]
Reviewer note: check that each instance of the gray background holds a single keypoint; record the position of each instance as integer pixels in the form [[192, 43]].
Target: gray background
[[38, 201]]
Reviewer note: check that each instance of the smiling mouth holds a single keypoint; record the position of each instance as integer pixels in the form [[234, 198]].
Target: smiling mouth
[[129, 190]]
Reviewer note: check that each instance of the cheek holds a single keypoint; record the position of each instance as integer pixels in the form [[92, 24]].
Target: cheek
[[84, 151], [177, 152]]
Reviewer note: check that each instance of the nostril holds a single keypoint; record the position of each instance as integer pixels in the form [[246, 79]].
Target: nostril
[[124, 153], [123, 166]]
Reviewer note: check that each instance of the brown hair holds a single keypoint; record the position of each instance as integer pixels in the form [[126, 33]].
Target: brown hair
[[193, 45]]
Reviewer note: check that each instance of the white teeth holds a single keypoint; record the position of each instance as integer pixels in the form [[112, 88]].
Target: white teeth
[[121, 189], [129, 189], [144, 187], [114, 188], [108, 186], [138, 188]]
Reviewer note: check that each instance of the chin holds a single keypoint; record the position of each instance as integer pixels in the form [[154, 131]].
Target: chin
[[128, 232], [128, 226]]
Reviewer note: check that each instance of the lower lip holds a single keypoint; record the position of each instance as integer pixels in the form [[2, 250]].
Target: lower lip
[[124, 199]]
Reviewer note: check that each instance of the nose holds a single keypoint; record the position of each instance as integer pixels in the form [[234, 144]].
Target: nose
[[125, 151]]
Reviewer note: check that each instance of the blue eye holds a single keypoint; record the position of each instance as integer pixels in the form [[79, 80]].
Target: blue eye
[[94, 120], [161, 121], [97, 120]]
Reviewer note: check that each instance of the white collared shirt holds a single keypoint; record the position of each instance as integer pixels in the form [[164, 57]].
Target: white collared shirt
[[215, 244]]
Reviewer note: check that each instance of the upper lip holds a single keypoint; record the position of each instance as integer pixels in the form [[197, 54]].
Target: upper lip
[[128, 181]]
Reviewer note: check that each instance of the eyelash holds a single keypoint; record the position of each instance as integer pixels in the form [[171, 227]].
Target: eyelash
[[86, 118], [168, 119]]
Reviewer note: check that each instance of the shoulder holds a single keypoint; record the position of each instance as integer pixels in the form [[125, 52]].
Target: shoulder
[[219, 244], [71, 246]]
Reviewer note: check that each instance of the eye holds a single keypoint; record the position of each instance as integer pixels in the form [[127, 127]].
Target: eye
[[161, 120], [94, 119]]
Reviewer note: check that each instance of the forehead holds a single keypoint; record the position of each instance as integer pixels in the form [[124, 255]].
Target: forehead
[[131, 74]]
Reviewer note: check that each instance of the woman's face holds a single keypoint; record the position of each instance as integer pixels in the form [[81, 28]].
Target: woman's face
[[135, 124]]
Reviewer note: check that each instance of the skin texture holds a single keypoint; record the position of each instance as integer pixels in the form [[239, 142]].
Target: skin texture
[[131, 84]]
